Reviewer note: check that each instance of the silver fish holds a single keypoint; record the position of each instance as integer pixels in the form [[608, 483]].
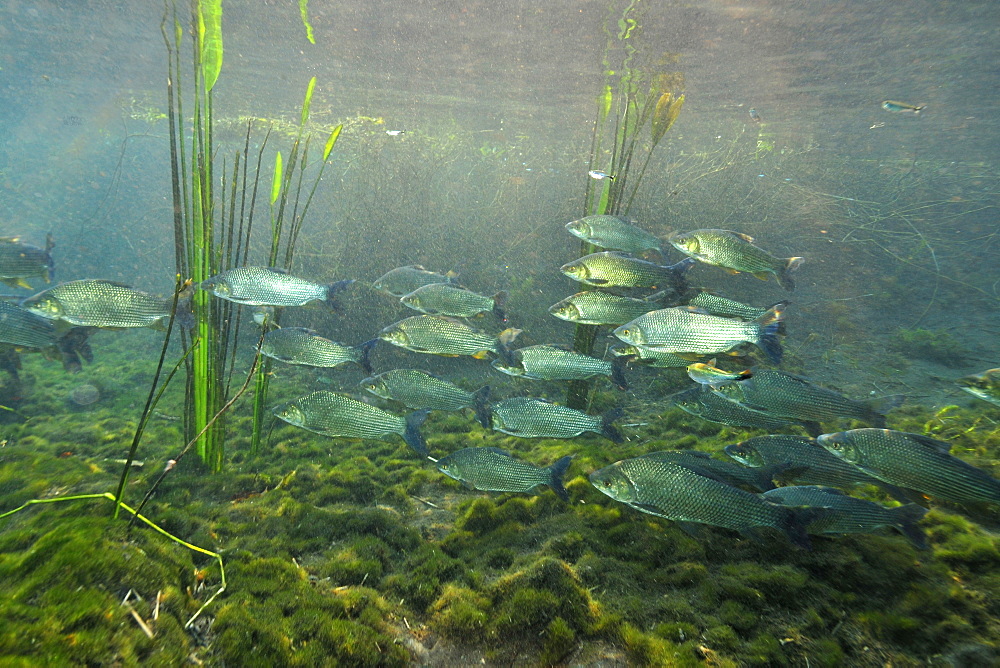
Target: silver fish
[[537, 418], [298, 345], [267, 286], [494, 470], [334, 414], [612, 233], [404, 280], [100, 303]]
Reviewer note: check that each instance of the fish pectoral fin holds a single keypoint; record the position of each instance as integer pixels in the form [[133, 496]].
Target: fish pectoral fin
[[730, 271], [17, 283], [481, 355], [762, 275]]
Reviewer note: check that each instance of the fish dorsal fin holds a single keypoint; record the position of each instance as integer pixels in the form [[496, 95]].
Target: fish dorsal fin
[[498, 451], [277, 270], [415, 266], [745, 237], [9, 240], [932, 443], [304, 330]]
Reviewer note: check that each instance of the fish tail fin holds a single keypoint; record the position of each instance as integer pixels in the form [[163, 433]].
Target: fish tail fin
[[618, 372], [879, 407], [770, 330], [333, 289], [905, 519], [366, 351], [557, 471], [785, 275], [500, 305], [503, 350], [481, 404], [608, 429], [412, 435], [795, 522]]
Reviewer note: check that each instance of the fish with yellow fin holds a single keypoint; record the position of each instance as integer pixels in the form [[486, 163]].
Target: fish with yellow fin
[[736, 253], [19, 261], [436, 335]]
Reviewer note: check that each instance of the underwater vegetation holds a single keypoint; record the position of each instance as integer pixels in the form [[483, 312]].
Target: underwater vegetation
[[356, 553]]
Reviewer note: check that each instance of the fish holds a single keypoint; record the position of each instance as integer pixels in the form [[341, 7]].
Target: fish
[[538, 418], [718, 305], [436, 335], [702, 402], [268, 286], [612, 233], [614, 269], [808, 463], [850, 515], [789, 397], [495, 470], [264, 316], [550, 362], [420, 389], [650, 358], [450, 300], [890, 105], [19, 261], [736, 253], [21, 328], [913, 461], [755, 116], [600, 308], [404, 280], [333, 414], [756, 479], [100, 303], [298, 345], [985, 385], [706, 373], [683, 329], [600, 174], [675, 492]]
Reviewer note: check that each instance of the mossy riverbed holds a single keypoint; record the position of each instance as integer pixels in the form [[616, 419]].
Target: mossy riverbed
[[356, 553]]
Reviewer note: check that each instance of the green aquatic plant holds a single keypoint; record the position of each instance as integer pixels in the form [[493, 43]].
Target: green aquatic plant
[[212, 231], [630, 100]]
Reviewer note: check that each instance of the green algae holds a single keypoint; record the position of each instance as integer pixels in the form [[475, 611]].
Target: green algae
[[330, 545]]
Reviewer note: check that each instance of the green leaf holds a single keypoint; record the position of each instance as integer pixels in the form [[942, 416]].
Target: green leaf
[[276, 182], [308, 100], [304, 10], [210, 38], [331, 141], [604, 104], [667, 110]]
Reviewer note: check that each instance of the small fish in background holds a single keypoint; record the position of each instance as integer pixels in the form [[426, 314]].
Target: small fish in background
[[450, 300], [601, 308], [985, 385], [404, 280], [264, 316], [735, 252], [420, 389], [538, 418], [333, 414], [553, 362], [808, 463], [395, 133], [495, 470], [849, 515], [438, 335], [706, 373], [902, 107], [268, 286], [754, 116], [600, 175], [913, 461], [702, 402], [613, 233], [303, 347], [613, 269], [19, 261]]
